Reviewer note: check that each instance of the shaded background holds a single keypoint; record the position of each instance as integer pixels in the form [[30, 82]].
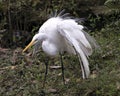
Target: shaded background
[[21, 19]]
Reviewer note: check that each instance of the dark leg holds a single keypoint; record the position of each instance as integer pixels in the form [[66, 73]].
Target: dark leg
[[46, 72], [62, 66]]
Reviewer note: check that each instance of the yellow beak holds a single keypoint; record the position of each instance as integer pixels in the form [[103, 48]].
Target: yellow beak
[[29, 45]]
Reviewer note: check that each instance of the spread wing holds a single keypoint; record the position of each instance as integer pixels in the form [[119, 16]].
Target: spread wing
[[75, 36]]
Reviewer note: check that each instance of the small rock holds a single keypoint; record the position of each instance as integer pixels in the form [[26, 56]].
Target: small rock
[[67, 80], [59, 74], [118, 85], [52, 90]]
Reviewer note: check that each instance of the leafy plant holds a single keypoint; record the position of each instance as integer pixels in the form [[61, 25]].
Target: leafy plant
[[113, 6]]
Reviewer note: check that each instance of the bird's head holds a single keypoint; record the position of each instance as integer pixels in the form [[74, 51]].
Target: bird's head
[[34, 41]]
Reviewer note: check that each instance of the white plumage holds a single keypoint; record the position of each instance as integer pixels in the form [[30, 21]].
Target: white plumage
[[59, 34]]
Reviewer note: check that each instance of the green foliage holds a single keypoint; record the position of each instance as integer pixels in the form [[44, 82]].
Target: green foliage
[[113, 6], [27, 15]]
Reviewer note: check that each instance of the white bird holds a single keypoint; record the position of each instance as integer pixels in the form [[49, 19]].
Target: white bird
[[61, 34]]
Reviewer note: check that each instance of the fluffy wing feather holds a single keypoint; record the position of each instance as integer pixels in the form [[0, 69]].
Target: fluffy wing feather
[[79, 52], [76, 31], [75, 36]]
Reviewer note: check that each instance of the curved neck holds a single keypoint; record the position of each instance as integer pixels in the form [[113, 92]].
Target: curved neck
[[39, 37], [42, 36]]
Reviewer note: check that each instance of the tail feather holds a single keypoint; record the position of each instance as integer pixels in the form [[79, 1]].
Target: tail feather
[[82, 59]]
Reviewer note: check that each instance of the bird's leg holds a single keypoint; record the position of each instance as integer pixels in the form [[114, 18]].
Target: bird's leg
[[62, 66], [46, 72]]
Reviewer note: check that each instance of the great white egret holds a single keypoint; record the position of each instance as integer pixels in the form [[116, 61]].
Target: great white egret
[[61, 34]]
